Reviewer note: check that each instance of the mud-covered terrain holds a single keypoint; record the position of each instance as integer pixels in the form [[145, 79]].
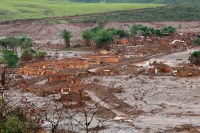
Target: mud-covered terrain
[[44, 33], [134, 97]]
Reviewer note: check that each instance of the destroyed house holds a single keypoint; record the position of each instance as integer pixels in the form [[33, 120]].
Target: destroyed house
[[35, 71], [71, 63], [40, 65], [104, 58], [70, 79]]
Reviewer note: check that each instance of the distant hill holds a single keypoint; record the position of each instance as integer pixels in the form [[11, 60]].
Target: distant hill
[[143, 1], [166, 13]]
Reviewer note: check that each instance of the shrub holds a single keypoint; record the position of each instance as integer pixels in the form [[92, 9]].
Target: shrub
[[158, 32], [27, 55], [195, 58], [196, 41], [113, 31], [169, 30], [10, 57], [41, 54], [102, 38], [66, 35], [13, 125], [25, 42], [122, 33], [146, 31], [9, 42], [87, 36]]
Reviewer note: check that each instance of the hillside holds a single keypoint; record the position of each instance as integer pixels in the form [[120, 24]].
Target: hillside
[[28, 9], [167, 13], [143, 1]]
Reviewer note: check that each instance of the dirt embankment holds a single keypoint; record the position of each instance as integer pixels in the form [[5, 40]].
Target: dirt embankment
[[43, 32]]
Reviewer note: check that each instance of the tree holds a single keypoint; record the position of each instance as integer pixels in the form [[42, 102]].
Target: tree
[[25, 42], [10, 57], [26, 55], [66, 35], [195, 58], [10, 43], [87, 36], [102, 38]]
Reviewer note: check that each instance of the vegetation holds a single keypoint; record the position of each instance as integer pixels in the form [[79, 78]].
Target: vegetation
[[10, 43], [27, 55], [120, 33], [41, 54], [87, 36], [10, 57], [25, 42], [197, 41], [195, 58], [27, 9], [142, 1], [167, 13], [13, 125], [102, 38], [146, 31], [66, 35]]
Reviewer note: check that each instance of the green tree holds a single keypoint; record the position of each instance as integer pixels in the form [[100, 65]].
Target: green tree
[[102, 38], [27, 55], [10, 43], [87, 36], [25, 42], [10, 57], [66, 35]]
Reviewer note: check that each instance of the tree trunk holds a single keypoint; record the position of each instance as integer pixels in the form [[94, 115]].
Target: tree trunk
[[67, 43], [3, 77], [87, 42]]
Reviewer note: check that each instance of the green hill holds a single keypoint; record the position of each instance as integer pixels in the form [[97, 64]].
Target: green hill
[[28, 9], [167, 13], [143, 1]]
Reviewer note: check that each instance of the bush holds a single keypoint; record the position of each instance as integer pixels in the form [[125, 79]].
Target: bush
[[195, 58], [25, 42], [169, 30], [9, 42], [87, 35], [146, 31], [27, 55], [196, 42], [10, 57], [66, 35], [13, 125], [102, 38], [120, 33], [41, 54]]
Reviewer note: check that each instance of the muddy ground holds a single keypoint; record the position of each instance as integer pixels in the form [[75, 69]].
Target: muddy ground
[[152, 103], [155, 103], [44, 33]]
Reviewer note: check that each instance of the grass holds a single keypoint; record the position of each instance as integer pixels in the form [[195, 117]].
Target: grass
[[166, 13], [26, 9]]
